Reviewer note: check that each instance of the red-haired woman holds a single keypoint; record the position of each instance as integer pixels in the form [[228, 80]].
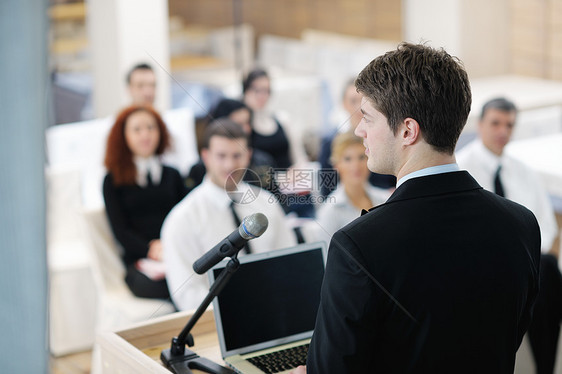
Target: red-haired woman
[[139, 192]]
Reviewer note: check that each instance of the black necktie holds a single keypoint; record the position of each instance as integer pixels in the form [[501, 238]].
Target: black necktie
[[148, 179], [498, 187], [237, 221]]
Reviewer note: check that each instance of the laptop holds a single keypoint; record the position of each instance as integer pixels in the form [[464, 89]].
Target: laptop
[[266, 313]]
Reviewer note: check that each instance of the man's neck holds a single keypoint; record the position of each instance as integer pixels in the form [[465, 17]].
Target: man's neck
[[217, 184], [425, 159]]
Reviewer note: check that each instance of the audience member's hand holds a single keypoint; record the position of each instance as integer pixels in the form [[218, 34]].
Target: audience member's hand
[[155, 250], [300, 370]]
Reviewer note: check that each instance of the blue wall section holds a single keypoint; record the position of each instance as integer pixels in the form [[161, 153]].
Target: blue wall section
[[23, 119]]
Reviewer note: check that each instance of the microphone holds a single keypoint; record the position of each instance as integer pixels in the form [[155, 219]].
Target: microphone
[[251, 227]]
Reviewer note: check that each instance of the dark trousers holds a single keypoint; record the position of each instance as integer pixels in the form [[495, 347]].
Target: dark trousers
[[143, 286], [545, 327]]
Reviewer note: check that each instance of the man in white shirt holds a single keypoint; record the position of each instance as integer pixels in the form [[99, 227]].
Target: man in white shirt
[[485, 160], [484, 156], [205, 216]]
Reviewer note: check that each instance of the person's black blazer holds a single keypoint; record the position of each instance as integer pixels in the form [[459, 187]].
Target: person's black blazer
[[439, 279], [136, 213]]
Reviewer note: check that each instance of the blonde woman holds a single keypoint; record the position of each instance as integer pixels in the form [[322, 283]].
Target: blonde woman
[[353, 192]]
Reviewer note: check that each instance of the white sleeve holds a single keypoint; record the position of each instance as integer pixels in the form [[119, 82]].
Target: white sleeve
[[326, 223], [187, 288]]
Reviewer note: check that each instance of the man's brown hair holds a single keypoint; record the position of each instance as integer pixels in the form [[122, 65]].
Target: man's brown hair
[[423, 83], [226, 128]]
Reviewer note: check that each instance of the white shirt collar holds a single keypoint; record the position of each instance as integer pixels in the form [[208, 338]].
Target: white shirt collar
[[376, 195], [432, 170], [218, 195], [340, 196], [144, 165]]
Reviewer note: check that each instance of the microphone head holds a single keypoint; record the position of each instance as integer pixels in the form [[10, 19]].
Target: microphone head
[[253, 226]]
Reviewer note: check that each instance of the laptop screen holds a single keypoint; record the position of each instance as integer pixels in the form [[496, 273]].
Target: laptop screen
[[272, 296]]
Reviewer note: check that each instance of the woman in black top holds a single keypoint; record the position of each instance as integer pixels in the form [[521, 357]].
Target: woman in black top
[[269, 136], [139, 192]]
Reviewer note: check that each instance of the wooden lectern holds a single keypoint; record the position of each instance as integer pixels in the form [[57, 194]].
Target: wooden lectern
[[137, 349]]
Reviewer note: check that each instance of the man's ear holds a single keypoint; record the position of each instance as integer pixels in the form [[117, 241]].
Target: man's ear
[[410, 131], [205, 155]]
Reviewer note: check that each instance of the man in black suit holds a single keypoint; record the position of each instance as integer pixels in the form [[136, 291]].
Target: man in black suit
[[442, 277]]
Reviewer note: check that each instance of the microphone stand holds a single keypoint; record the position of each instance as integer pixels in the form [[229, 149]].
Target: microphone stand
[[181, 360]]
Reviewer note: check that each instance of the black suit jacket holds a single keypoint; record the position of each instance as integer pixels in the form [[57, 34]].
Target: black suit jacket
[[439, 279]]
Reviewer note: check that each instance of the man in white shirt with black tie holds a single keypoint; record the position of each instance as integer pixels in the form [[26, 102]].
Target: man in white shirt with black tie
[[210, 212], [485, 160]]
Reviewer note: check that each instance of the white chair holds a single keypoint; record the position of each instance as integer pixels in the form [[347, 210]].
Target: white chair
[[72, 291], [183, 153], [118, 307]]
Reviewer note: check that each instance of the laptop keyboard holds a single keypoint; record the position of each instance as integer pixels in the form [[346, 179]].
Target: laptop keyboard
[[286, 359]]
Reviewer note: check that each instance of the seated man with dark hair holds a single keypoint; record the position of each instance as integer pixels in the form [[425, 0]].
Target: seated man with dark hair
[[213, 210], [261, 163]]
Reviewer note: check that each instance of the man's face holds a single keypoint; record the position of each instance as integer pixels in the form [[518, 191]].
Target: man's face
[[226, 160], [381, 146], [496, 128], [352, 105], [142, 87]]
